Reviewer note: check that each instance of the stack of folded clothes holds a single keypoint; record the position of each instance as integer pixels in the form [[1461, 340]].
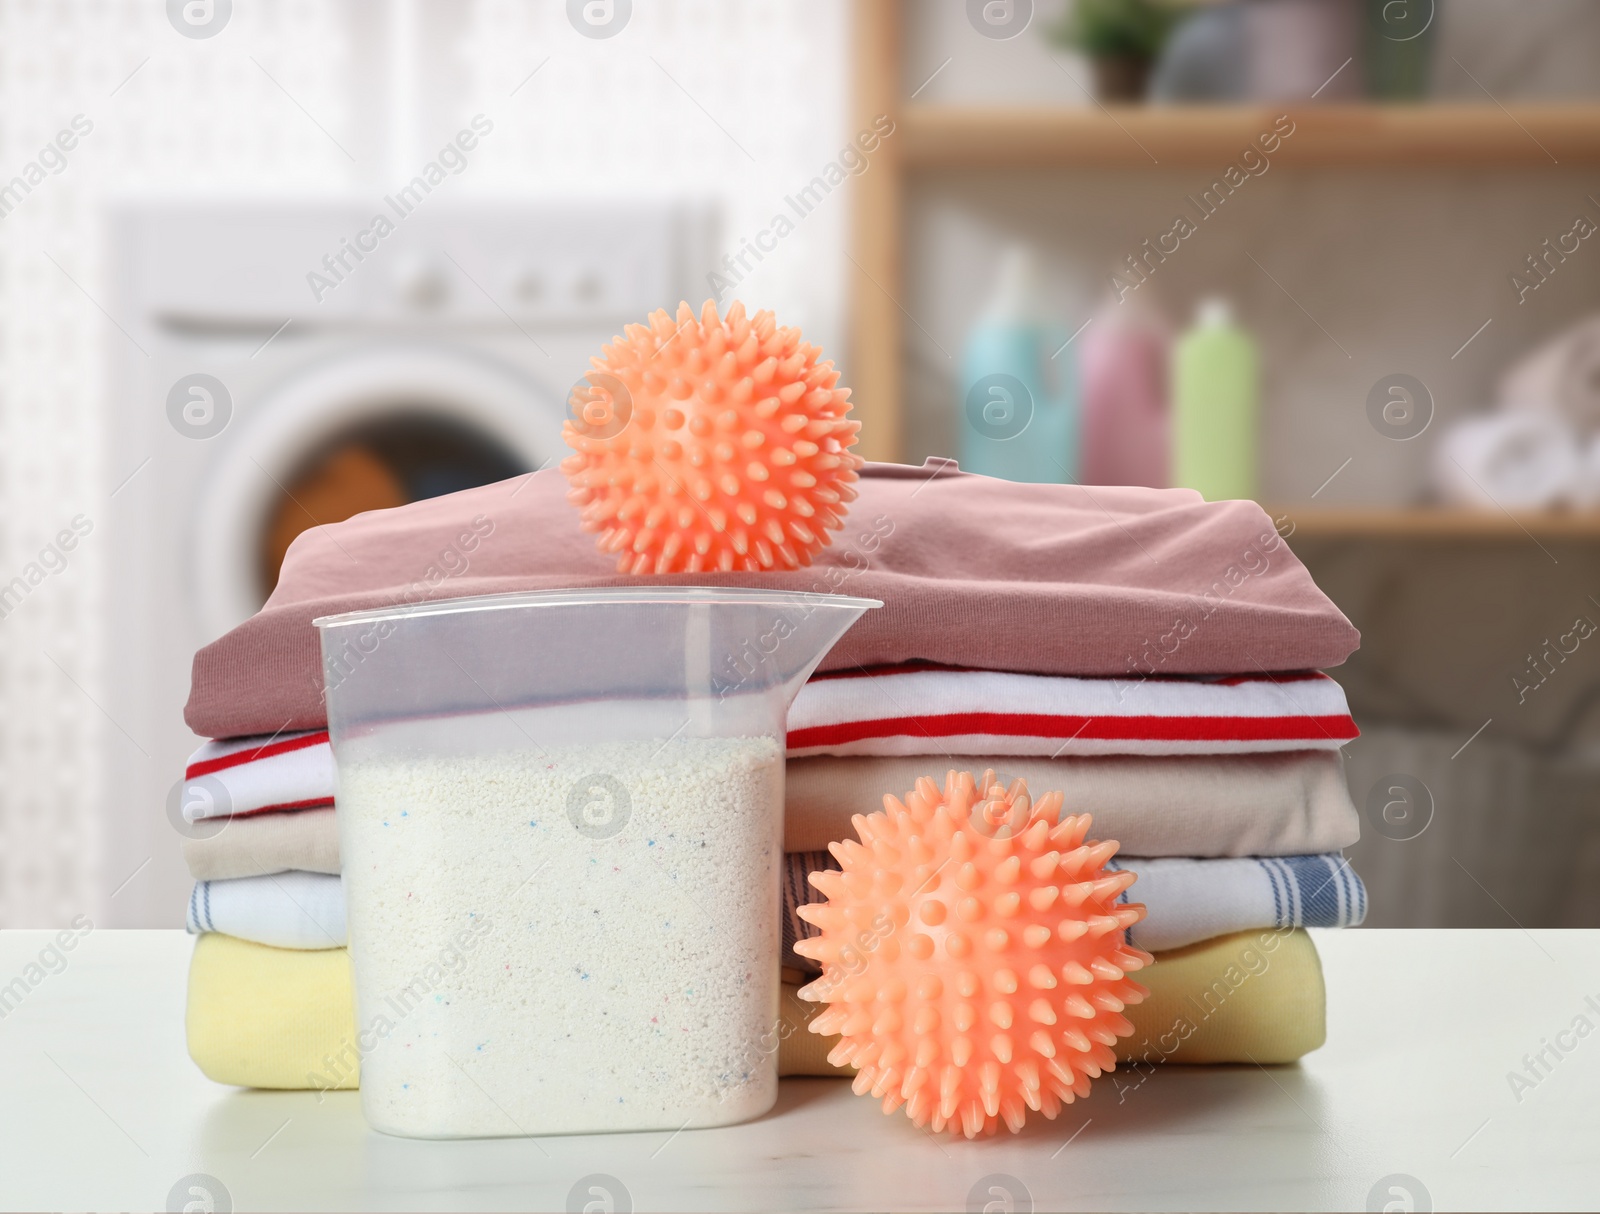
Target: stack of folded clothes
[[1149, 654]]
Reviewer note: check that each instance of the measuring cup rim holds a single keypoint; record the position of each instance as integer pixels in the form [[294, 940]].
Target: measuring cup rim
[[600, 596]]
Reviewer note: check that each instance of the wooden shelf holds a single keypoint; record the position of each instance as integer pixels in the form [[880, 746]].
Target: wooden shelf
[[1328, 522], [1215, 136], [928, 137]]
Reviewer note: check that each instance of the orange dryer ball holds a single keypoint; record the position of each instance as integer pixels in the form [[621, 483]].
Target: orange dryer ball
[[973, 955], [711, 445]]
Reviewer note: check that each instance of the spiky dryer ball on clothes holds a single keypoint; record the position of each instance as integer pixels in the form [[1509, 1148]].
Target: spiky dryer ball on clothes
[[711, 445], [973, 955]]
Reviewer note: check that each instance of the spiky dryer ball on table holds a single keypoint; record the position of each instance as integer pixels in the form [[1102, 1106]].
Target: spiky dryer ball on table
[[973, 955], [711, 445]]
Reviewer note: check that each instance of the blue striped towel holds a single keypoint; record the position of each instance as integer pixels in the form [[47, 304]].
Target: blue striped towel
[[1187, 900], [1193, 900]]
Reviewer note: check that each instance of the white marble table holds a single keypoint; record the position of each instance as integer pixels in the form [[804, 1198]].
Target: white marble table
[[100, 1108]]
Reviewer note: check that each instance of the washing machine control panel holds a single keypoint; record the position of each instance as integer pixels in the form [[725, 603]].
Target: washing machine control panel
[[490, 264], [419, 283]]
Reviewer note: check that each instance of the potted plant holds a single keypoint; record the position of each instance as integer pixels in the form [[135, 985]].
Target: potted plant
[[1121, 39]]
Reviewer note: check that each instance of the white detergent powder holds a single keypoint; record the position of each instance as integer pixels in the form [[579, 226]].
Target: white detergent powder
[[565, 940]]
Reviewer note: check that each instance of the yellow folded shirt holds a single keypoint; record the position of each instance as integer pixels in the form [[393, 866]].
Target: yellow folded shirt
[[1249, 997], [264, 1017]]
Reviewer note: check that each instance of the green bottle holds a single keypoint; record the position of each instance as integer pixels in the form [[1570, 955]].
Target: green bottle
[[1215, 406]]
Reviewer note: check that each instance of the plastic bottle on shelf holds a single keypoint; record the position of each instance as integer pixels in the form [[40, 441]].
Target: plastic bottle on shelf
[[1018, 418], [1215, 406], [1123, 360]]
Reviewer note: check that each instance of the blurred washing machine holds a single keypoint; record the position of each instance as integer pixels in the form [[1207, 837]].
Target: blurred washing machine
[[282, 366]]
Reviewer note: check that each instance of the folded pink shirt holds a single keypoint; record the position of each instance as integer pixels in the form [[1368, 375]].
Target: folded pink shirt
[[972, 571]]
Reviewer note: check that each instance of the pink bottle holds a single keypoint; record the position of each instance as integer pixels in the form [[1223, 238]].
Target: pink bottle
[[1123, 365]]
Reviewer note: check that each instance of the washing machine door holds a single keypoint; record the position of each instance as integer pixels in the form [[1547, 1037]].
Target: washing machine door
[[366, 429]]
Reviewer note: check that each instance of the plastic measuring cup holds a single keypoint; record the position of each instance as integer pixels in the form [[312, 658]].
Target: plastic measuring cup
[[561, 823]]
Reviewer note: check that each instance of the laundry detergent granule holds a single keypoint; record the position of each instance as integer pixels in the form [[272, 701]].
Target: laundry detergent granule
[[565, 940]]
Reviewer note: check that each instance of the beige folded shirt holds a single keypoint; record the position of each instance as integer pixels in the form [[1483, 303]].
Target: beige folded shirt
[[1286, 804], [257, 844]]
